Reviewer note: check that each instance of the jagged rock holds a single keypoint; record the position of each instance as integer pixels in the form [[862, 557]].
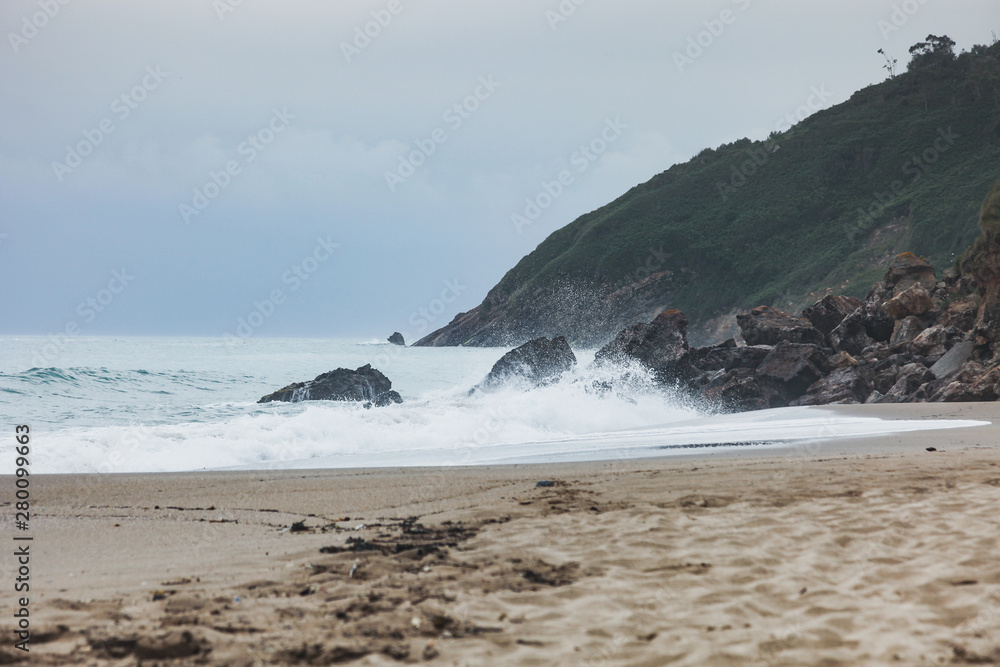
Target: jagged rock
[[911, 378], [365, 384], [397, 339], [884, 380], [984, 265], [539, 362], [741, 389], [850, 335], [728, 356], [971, 383], [661, 345], [841, 360], [907, 329], [914, 300], [844, 385], [905, 271], [935, 341], [953, 360], [827, 313], [769, 326], [795, 365], [960, 313]]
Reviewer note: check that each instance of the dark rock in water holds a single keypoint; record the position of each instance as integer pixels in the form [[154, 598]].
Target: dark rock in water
[[365, 384], [769, 326], [661, 345], [397, 339], [844, 385], [540, 362], [830, 311]]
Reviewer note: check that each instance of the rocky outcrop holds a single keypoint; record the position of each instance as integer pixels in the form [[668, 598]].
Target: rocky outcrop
[[538, 362], [660, 345], [903, 343], [364, 385], [397, 339], [983, 263], [769, 326]]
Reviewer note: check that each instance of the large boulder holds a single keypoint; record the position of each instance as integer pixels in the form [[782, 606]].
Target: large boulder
[[765, 325], [796, 366], [365, 385], [827, 313], [851, 335], [844, 385], [741, 389], [914, 300], [661, 345], [912, 377], [906, 271], [906, 330], [538, 362], [970, 383], [397, 339]]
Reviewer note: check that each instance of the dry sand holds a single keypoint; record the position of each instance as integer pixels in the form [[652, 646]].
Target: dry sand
[[870, 552]]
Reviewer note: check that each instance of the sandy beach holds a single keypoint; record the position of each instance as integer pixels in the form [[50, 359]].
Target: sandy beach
[[854, 552]]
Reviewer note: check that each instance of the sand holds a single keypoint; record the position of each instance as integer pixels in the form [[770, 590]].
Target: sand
[[866, 552]]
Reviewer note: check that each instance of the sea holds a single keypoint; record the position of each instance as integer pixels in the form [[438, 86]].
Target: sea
[[146, 404]]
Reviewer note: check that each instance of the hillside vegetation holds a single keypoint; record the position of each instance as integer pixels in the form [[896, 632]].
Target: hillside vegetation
[[903, 165]]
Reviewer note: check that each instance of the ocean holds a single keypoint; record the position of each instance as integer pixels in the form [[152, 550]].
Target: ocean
[[135, 404]]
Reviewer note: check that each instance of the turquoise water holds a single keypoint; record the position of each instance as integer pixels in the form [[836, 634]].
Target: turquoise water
[[171, 404]]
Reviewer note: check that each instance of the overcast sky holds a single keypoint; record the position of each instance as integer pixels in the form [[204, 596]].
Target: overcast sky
[[174, 167]]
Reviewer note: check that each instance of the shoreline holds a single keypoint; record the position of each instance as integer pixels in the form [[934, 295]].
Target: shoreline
[[852, 553]]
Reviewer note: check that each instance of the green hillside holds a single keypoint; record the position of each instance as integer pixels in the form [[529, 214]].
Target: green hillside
[[902, 165]]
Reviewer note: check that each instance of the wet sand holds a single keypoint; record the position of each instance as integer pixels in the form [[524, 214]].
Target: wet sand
[[847, 552]]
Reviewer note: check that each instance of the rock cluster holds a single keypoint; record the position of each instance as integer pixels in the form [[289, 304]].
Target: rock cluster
[[913, 339], [365, 385]]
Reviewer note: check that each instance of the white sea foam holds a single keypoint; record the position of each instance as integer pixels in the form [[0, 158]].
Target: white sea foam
[[136, 405]]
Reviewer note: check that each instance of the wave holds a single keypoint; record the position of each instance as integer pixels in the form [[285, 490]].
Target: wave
[[105, 378], [446, 425]]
